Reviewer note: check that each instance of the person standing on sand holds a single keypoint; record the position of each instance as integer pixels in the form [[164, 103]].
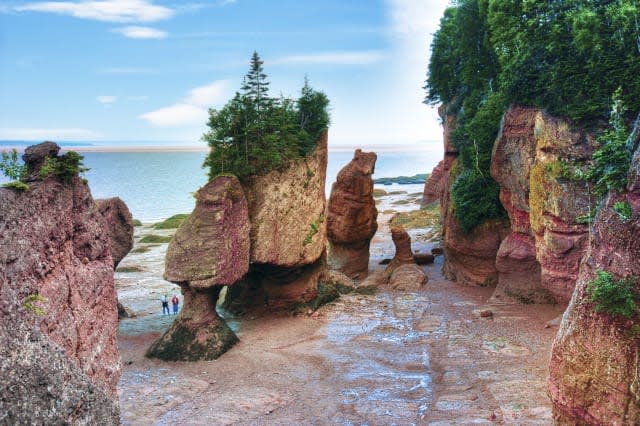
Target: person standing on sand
[[165, 304], [175, 302]]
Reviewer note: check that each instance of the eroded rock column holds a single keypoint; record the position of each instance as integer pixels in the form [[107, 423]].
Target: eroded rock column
[[403, 273], [208, 251], [352, 214]]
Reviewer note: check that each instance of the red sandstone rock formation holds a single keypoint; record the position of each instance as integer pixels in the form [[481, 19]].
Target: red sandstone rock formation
[[595, 367], [407, 277], [352, 214], [556, 203], [513, 156], [119, 225], [434, 185], [403, 252], [209, 250], [60, 364], [469, 258]]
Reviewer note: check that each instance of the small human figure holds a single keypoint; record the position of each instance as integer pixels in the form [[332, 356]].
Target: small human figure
[[165, 304], [175, 302]]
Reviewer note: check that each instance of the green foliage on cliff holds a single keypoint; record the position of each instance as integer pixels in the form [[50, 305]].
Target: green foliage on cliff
[[255, 133], [10, 165], [64, 167], [566, 57], [615, 297]]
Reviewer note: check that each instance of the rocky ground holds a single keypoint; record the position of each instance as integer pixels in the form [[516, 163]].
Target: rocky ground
[[442, 355]]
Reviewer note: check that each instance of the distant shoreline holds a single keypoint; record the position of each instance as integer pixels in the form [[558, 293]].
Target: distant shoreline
[[436, 148]]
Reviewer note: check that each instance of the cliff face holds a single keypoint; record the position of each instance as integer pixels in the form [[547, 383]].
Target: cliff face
[[535, 257], [556, 203], [59, 360], [514, 154], [469, 258], [594, 369]]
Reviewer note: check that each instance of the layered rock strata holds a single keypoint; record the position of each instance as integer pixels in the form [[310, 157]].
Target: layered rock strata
[[514, 154], [209, 250], [595, 361], [557, 202], [59, 358], [352, 214]]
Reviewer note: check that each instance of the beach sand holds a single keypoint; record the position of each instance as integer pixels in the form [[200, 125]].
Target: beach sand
[[424, 357]]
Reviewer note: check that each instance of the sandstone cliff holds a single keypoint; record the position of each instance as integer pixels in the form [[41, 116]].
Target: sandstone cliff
[[595, 363], [469, 258], [120, 226], [59, 358], [535, 257]]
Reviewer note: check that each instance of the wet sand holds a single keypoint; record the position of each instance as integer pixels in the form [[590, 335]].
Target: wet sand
[[424, 357]]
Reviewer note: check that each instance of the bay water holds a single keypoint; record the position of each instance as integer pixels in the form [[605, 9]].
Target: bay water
[[156, 184]]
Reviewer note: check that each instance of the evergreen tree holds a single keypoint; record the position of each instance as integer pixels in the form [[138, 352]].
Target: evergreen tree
[[254, 133]]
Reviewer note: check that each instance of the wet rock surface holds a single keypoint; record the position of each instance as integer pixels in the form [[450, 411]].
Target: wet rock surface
[[410, 357], [351, 217]]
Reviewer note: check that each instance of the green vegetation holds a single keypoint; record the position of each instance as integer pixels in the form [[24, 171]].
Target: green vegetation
[[565, 57], [403, 180], [31, 302], [255, 133], [623, 208], [313, 231], [142, 249], [428, 217], [615, 297], [12, 168], [63, 167], [137, 222], [129, 269], [379, 192], [173, 222], [155, 239]]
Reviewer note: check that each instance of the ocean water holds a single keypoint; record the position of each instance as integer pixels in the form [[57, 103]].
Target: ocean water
[[156, 185]]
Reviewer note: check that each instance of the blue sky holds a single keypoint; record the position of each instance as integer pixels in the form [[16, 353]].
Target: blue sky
[[147, 70]]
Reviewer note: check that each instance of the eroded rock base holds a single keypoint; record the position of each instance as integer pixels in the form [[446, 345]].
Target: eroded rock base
[[198, 333]]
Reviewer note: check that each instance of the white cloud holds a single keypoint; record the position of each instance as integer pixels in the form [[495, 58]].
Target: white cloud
[[176, 115], [38, 134], [366, 57], [106, 99], [103, 10], [207, 95], [143, 33], [192, 110]]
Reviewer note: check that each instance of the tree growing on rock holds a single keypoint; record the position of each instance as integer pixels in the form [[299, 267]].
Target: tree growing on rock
[[255, 133]]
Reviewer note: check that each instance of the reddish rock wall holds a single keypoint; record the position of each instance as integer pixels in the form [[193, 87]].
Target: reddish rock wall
[[120, 226], [595, 362], [557, 202], [54, 244], [469, 258], [514, 153]]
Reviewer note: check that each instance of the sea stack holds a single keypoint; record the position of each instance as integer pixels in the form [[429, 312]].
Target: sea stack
[[352, 214], [209, 250]]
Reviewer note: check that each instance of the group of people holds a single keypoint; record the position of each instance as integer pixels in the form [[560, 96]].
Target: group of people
[[175, 301]]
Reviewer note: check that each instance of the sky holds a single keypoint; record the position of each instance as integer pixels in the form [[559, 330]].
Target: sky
[[130, 71]]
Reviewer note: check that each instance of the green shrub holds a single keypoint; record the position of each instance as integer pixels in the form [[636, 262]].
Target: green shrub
[[173, 222], [17, 185], [31, 302], [623, 208], [64, 167], [136, 222], [476, 199], [615, 297], [11, 167], [155, 239]]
